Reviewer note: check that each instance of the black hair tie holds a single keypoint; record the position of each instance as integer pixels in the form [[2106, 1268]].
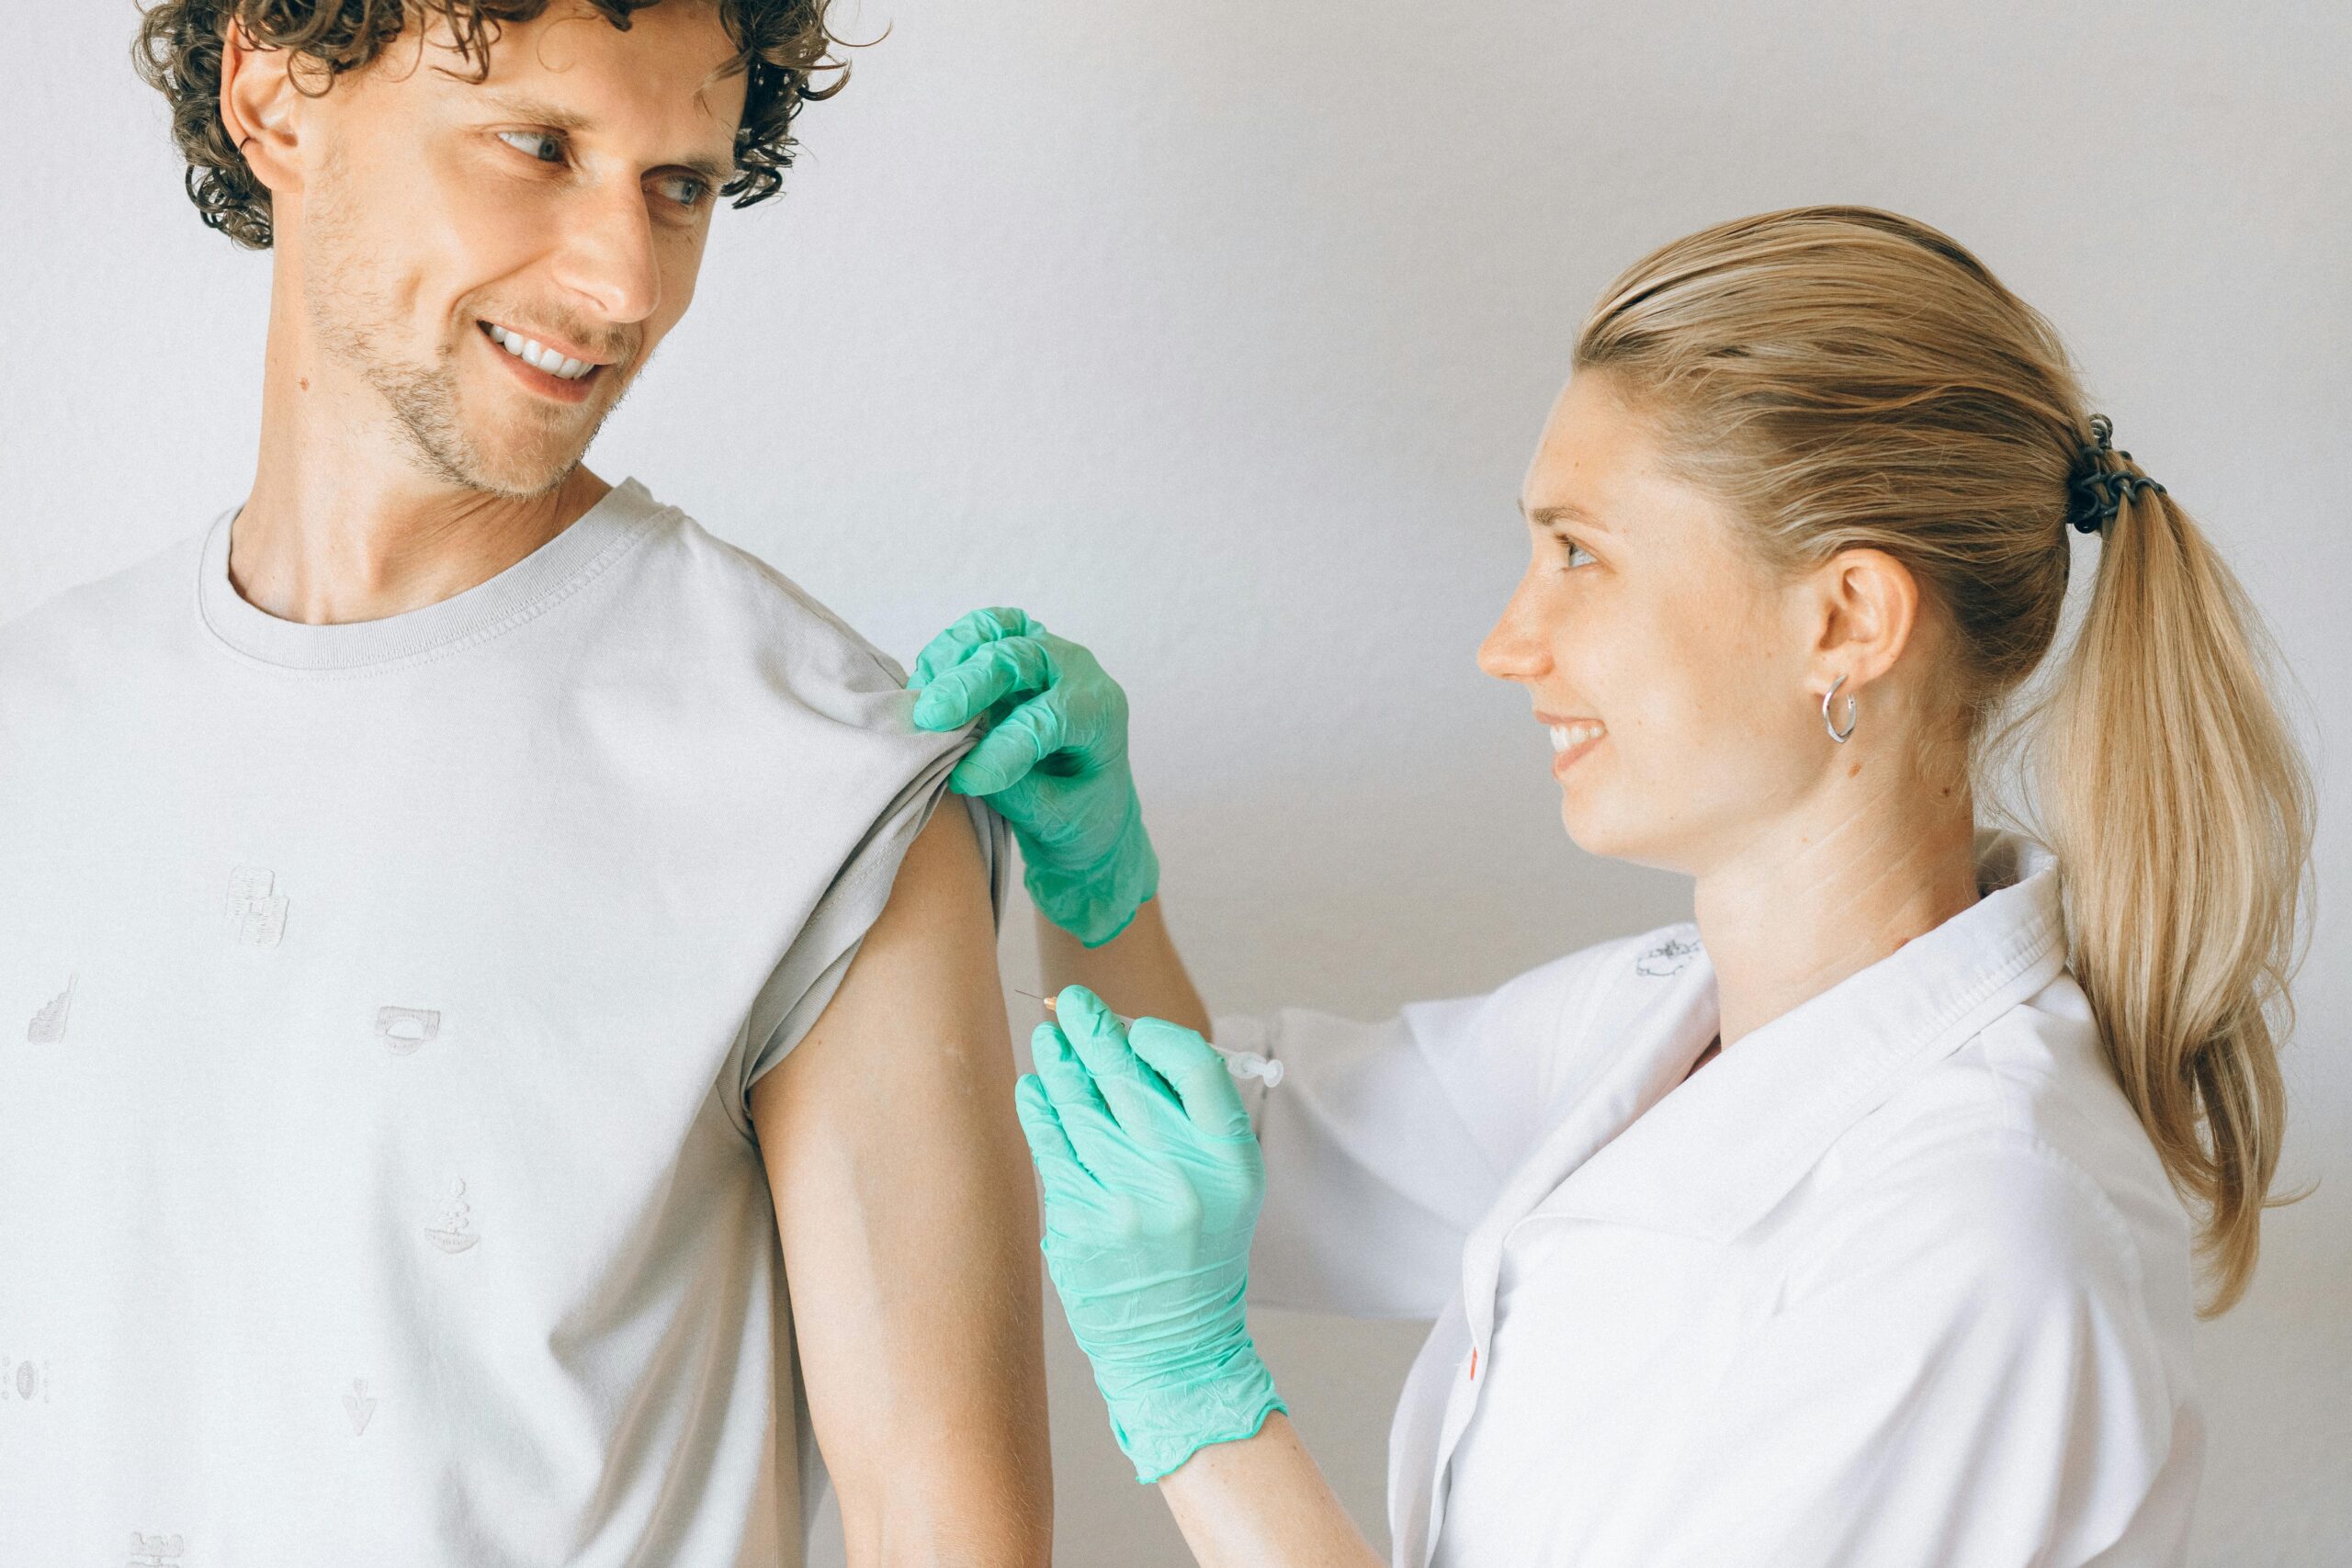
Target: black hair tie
[[2094, 493]]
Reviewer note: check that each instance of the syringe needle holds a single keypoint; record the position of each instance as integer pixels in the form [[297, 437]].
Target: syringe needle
[[1240, 1064]]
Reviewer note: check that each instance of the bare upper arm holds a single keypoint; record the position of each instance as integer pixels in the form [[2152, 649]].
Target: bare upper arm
[[909, 1223]]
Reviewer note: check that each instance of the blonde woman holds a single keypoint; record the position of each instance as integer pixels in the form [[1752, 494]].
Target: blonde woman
[[1851, 1223]]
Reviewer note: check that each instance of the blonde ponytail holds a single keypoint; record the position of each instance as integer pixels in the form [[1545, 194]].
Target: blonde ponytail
[[2181, 813], [1847, 377]]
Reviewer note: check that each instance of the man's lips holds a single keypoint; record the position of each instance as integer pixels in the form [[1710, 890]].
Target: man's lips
[[547, 349], [550, 369]]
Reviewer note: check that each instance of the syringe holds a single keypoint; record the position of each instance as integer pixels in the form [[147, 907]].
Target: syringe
[[1240, 1064]]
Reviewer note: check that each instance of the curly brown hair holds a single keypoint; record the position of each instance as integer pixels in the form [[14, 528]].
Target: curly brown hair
[[782, 45]]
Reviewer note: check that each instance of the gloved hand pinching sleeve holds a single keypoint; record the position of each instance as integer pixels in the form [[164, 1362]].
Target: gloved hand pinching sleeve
[[1152, 1184], [1052, 760]]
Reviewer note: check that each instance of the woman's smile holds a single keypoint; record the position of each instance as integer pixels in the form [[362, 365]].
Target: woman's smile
[[1572, 740]]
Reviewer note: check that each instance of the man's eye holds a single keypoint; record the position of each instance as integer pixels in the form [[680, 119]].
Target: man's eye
[[685, 190], [537, 145], [1578, 555]]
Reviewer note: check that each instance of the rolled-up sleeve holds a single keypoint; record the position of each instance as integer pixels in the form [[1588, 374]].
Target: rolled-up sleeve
[[1387, 1143]]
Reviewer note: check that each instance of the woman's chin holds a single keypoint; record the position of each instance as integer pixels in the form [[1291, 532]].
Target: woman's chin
[[1601, 833], [1586, 831], [1635, 838]]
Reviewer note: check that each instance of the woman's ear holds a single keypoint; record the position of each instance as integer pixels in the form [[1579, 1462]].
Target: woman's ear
[[1868, 603], [261, 109]]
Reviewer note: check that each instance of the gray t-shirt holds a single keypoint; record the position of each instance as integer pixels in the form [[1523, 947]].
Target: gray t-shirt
[[378, 1006]]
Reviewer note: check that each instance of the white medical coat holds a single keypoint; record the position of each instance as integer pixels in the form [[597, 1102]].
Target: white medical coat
[[1897, 1279]]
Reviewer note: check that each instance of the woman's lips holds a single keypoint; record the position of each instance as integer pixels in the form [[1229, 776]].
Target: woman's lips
[[1572, 740]]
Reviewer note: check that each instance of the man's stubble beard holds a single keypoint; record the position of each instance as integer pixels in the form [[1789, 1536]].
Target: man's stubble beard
[[356, 323]]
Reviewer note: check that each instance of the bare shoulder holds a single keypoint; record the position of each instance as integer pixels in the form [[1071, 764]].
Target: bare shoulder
[[923, 984]]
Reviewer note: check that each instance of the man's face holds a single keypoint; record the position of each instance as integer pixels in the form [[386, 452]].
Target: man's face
[[559, 205]]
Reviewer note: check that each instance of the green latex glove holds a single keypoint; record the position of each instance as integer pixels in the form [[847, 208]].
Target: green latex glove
[[1052, 760], [1152, 1182]]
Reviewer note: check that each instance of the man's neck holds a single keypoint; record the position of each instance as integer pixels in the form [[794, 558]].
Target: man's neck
[[325, 549], [342, 524]]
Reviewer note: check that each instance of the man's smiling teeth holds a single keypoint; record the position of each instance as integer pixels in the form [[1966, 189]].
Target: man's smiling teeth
[[1563, 736], [538, 357]]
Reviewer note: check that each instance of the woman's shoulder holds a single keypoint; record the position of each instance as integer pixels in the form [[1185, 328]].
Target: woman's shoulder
[[1566, 1018], [1633, 972], [1612, 991], [2033, 1084], [2016, 1161]]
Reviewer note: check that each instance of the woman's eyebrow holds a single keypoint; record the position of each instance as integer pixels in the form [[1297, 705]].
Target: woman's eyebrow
[[1562, 511]]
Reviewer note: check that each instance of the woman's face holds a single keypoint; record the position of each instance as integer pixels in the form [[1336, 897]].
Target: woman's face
[[1671, 665]]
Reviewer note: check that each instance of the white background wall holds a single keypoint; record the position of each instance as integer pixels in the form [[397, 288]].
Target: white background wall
[[1217, 335]]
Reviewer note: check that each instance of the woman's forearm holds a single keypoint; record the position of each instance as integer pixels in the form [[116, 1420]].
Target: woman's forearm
[[1261, 1503], [1138, 971], [1191, 1175]]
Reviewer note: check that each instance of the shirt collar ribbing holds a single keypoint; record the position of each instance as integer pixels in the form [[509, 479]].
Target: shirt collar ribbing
[[592, 541]]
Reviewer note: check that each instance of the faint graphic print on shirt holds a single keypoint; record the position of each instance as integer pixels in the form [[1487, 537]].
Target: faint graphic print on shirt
[[156, 1551], [48, 1026], [455, 1232], [1668, 957], [256, 911], [23, 1383], [403, 1030]]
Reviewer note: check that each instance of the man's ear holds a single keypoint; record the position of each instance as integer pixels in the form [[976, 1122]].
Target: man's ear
[[261, 108], [1869, 608]]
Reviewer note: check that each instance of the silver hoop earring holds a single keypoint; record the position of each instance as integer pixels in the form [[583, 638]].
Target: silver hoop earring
[[1839, 736]]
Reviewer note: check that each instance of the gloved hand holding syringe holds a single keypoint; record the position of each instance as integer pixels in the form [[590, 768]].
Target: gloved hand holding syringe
[[1240, 1064]]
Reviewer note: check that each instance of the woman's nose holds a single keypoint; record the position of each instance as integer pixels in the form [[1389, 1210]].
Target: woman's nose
[[1515, 649]]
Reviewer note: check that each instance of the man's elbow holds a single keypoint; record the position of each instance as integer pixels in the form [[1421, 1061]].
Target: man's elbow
[[986, 1509]]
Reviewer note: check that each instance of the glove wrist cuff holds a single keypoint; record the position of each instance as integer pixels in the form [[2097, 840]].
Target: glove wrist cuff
[[1095, 903], [1160, 1427]]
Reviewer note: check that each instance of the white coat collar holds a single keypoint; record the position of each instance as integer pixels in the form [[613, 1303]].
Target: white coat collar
[[1722, 1149]]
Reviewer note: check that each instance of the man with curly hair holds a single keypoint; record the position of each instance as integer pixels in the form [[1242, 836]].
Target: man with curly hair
[[514, 1064]]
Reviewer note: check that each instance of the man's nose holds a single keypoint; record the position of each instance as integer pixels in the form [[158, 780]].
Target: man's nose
[[608, 259], [1515, 649]]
